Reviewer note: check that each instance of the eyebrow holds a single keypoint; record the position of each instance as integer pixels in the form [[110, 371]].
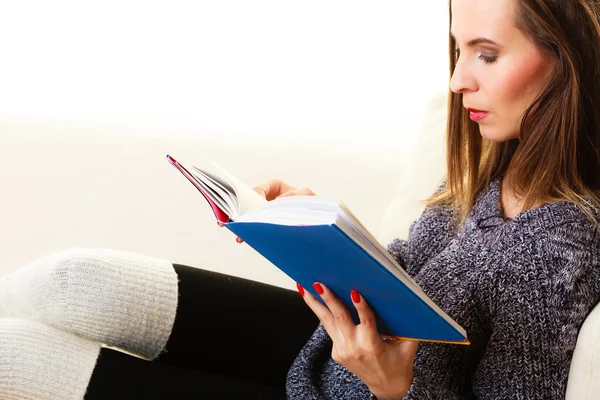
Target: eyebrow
[[480, 40]]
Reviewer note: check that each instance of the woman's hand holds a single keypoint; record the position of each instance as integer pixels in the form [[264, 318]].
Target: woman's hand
[[386, 367], [274, 188]]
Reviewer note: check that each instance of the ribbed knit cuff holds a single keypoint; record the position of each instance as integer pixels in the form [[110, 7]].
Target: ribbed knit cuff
[[119, 299], [38, 362], [124, 300]]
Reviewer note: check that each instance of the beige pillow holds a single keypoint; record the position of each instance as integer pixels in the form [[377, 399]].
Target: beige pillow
[[424, 172]]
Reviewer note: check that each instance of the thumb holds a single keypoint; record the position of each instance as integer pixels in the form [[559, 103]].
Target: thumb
[[288, 194], [260, 191], [304, 191]]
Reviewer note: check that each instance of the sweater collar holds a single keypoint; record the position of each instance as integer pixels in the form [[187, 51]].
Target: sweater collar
[[487, 213]]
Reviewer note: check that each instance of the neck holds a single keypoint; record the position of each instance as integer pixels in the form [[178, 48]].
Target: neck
[[510, 204]]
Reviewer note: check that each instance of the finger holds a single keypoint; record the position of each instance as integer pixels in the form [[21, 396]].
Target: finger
[[323, 314], [261, 191], [341, 316], [298, 192], [273, 187], [368, 321], [237, 239]]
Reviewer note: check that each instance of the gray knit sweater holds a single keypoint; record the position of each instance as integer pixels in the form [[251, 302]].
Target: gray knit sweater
[[521, 289]]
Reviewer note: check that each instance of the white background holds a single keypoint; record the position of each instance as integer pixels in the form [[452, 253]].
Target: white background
[[299, 70], [93, 94]]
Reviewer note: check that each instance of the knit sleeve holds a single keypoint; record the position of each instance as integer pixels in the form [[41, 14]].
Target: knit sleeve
[[423, 391], [537, 299], [427, 236]]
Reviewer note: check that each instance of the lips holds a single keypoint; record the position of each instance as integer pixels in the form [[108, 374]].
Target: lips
[[476, 111], [477, 115]]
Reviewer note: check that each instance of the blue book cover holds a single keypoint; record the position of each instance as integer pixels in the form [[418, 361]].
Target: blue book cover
[[324, 252]]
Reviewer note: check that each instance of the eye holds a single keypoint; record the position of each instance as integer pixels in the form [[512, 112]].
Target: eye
[[488, 60]]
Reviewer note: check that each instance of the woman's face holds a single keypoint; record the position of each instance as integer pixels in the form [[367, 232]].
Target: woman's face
[[499, 71]]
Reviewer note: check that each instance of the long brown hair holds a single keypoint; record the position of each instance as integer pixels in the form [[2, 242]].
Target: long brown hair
[[558, 154]]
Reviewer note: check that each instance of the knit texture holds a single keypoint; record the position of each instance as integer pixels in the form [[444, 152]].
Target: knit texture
[[38, 362], [521, 289], [123, 300]]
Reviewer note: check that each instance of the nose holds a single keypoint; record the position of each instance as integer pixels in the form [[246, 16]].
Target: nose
[[462, 79]]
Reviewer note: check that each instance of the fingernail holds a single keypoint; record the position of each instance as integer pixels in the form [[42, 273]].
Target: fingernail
[[220, 223], [300, 289], [355, 296], [318, 288], [237, 239]]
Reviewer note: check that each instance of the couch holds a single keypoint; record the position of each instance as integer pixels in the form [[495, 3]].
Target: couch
[[62, 188]]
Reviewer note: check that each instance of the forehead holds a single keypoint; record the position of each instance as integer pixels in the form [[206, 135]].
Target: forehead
[[482, 18]]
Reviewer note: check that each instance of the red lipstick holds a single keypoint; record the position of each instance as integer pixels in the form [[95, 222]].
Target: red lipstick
[[477, 115]]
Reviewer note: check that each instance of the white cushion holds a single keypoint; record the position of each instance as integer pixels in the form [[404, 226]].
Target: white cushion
[[584, 375], [114, 189], [424, 171]]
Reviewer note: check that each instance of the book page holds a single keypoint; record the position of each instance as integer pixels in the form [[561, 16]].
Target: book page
[[247, 198], [242, 195], [223, 194]]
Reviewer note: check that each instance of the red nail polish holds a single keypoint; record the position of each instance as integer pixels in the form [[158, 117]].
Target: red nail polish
[[300, 289], [220, 223], [237, 239], [355, 296], [318, 288]]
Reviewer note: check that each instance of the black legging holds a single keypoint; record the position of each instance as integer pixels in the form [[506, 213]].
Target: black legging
[[232, 338]]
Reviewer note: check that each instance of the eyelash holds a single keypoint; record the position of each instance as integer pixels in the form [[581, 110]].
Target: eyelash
[[485, 59], [488, 60]]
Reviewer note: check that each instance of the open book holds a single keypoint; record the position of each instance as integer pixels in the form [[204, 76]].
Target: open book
[[318, 239]]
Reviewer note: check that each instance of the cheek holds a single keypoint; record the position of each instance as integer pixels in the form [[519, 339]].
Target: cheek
[[518, 84], [511, 90]]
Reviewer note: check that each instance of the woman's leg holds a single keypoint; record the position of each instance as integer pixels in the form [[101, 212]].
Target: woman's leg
[[38, 362], [116, 298], [118, 376], [238, 327], [224, 325], [232, 338]]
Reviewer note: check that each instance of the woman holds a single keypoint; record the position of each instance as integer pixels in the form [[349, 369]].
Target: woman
[[507, 247]]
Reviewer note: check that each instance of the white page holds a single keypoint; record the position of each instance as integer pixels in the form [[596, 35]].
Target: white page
[[246, 198], [225, 198]]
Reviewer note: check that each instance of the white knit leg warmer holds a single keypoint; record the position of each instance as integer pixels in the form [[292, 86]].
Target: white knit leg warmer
[[119, 299], [38, 362]]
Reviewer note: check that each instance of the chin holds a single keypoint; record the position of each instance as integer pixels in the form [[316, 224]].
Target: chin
[[496, 136]]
